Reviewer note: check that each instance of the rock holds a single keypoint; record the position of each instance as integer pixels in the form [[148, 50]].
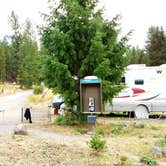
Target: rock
[[139, 125], [157, 151], [90, 133], [20, 129]]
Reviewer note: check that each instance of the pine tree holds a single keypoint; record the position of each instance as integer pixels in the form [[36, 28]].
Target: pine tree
[[8, 57], [16, 40], [137, 56], [2, 63], [28, 73], [156, 46]]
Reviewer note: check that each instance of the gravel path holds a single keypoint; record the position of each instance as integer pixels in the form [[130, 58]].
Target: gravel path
[[9, 129], [6, 129], [11, 117], [10, 110], [58, 136]]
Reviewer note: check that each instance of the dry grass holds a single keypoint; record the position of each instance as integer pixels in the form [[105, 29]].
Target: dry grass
[[126, 143], [41, 97], [29, 150], [7, 89]]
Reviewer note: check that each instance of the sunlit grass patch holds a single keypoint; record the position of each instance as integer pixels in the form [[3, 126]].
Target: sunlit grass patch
[[34, 98], [7, 89], [41, 97]]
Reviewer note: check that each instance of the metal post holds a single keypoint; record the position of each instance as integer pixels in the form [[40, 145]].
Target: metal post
[[49, 113], [22, 114]]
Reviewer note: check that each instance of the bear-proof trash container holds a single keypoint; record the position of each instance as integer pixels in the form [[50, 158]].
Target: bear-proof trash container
[[90, 95]]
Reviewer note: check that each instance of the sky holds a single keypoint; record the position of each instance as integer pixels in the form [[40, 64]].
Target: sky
[[137, 15]]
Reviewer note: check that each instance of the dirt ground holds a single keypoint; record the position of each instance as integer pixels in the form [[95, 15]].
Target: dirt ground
[[46, 144], [69, 145]]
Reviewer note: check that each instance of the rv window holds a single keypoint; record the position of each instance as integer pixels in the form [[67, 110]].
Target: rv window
[[139, 82]]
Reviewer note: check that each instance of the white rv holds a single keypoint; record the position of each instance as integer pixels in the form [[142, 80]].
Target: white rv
[[146, 91]]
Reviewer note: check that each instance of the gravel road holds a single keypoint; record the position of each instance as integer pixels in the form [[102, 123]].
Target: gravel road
[[10, 110], [11, 117]]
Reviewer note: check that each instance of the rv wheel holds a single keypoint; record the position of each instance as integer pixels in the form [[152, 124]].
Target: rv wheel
[[141, 112]]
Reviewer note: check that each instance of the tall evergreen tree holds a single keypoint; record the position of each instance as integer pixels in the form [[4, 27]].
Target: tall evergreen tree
[[79, 42], [156, 46], [16, 40], [137, 56], [7, 48], [28, 73], [2, 63]]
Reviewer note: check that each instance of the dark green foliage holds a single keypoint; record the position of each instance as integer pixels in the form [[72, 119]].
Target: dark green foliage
[[59, 120], [137, 56], [156, 46], [6, 58], [96, 143], [148, 161], [75, 117], [2, 63], [67, 119], [19, 60], [154, 53], [79, 42], [71, 117], [29, 71], [38, 89], [16, 40]]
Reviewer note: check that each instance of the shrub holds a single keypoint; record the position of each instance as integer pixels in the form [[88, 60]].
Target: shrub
[[161, 143], [96, 143], [37, 89], [70, 117], [98, 131], [117, 129], [82, 118], [124, 161], [59, 120], [79, 130], [148, 161], [67, 119], [73, 117]]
